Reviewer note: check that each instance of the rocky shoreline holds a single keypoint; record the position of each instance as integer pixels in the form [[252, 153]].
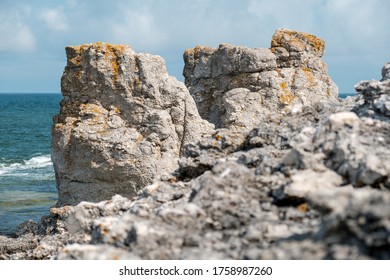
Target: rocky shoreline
[[255, 158]]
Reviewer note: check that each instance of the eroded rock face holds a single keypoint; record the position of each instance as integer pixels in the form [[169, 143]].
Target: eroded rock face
[[242, 87], [123, 123]]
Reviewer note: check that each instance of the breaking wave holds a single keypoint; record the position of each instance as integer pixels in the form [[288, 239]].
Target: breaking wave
[[24, 167]]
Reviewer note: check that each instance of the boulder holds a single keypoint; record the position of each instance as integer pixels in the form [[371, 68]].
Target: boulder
[[374, 97], [240, 87], [355, 148], [123, 122]]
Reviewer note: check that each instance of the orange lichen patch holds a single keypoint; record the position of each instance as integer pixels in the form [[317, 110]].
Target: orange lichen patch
[[287, 96], [76, 60], [192, 53], [218, 137], [95, 115], [277, 70], [173, 180], [98, 46], [114, 109], [195, 52], [68, 123], [299, 40], [91, 109], [111, 53], [303, 207], [283, 86], [140, 138], [105, 231], [58, 125], [63, 211], [198, 49], [309, 74], [78, 74]]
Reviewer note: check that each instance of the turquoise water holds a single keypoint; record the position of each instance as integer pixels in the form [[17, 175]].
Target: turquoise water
[[344, 95], [27, 183]]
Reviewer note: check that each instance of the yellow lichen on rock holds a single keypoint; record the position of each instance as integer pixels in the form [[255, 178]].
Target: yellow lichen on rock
[[299, 41], [115, 110], [194, 52], [309, 74], [94, 113], [287, 96], [78, 74], [111, 53]]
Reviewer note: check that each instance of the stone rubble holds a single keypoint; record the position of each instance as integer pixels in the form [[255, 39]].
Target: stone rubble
[[305, 184]]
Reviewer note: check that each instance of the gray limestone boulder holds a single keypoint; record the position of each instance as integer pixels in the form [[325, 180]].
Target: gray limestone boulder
[[239, 87], [357, 149], [123, 122], [374, 97]]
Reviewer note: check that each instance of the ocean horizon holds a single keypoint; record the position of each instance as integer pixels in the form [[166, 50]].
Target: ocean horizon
[[27, 180]]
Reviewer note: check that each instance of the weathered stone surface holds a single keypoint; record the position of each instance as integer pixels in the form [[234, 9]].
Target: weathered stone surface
[[358, 217], [357, 149], [123, 122], [240, 87], [309, 181], [374, 101]]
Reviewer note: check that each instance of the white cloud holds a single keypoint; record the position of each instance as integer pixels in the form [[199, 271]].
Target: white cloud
[[16, 35], [357, 27], [54, 19], [138, 28], [285, 14], [355, 31], [351, 28]]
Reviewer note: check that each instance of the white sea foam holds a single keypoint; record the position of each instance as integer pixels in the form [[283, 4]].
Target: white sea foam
[[37, 162]]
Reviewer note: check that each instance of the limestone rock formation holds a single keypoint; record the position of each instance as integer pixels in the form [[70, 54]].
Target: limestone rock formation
[[242, 87], [123, 123]]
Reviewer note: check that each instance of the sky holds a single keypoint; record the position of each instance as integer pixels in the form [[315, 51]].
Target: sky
[[34, 33]]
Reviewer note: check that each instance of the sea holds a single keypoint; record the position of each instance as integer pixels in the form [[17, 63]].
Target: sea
[[27, 181]]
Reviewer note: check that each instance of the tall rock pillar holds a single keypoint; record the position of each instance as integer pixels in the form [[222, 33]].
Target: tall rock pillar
[[123, 122]]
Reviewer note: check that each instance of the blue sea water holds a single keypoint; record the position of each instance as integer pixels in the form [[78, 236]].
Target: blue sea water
[[345, 95], [27, 183]]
